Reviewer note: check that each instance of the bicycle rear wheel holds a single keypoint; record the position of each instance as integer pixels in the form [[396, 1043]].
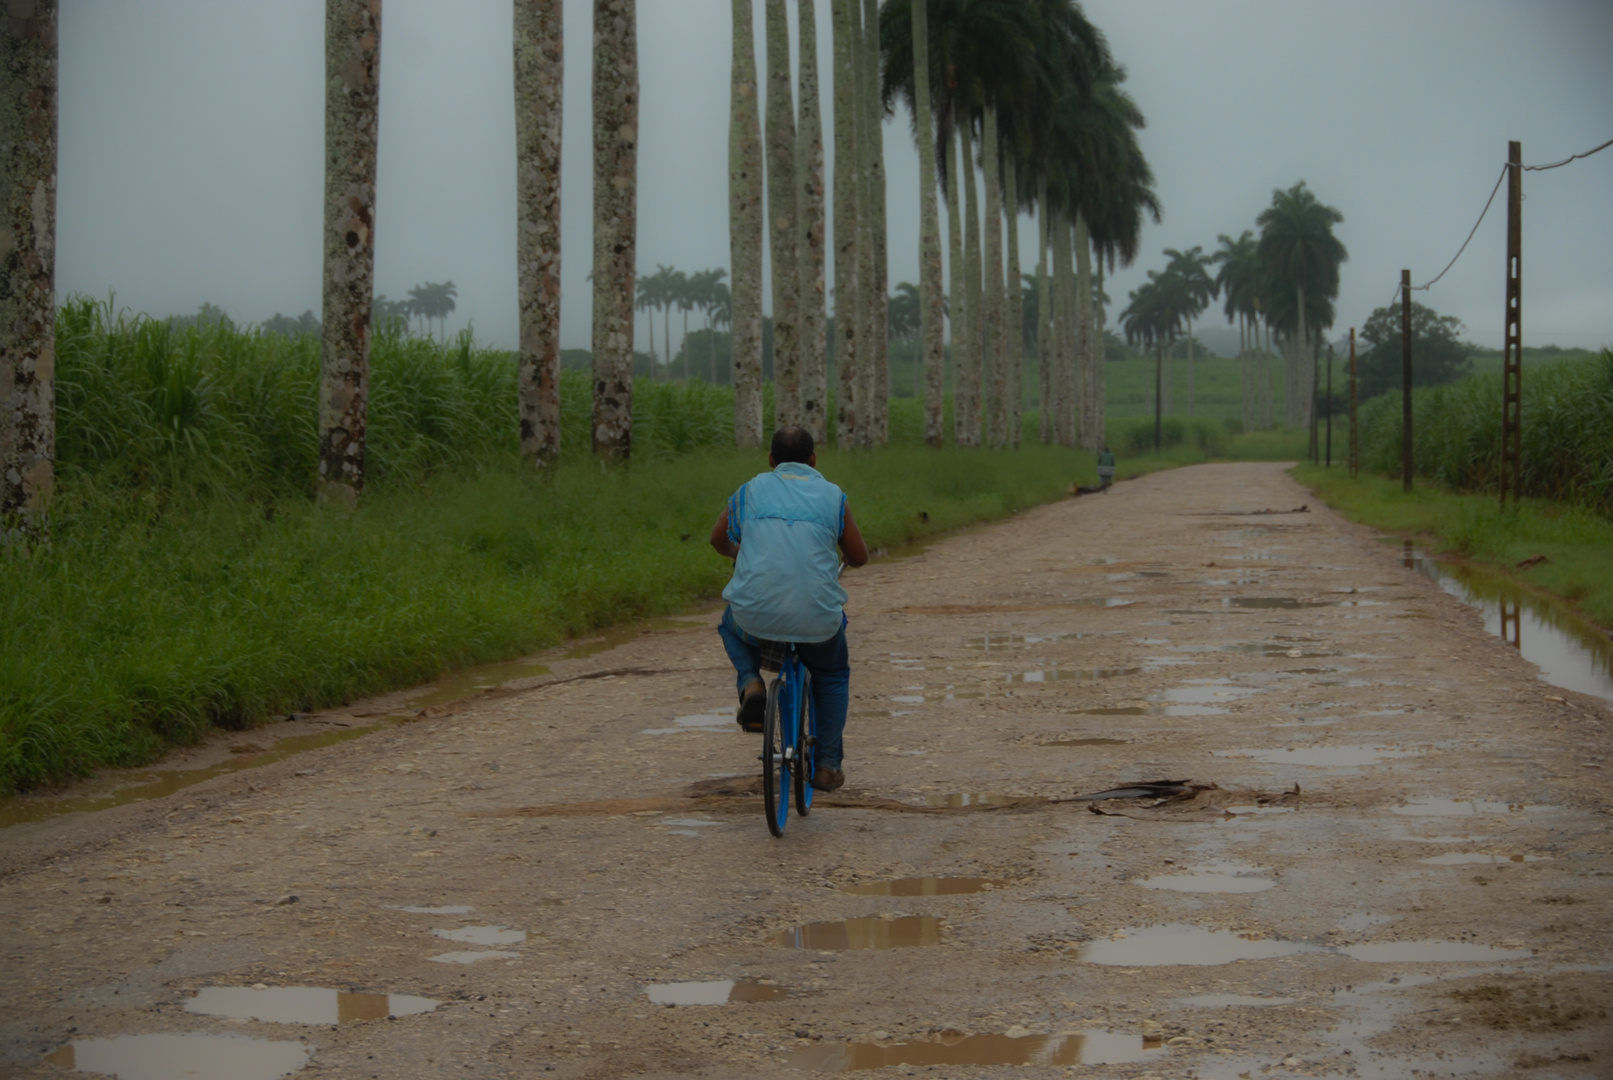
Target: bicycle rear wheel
[[806, 730], [775, 764]]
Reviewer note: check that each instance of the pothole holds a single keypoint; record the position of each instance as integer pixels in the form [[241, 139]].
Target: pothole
[[482, 935], [871, 932], [1178, 943], [925, 886], [1081, 1048], [717, 992], [303, 1004], [164, 1057]]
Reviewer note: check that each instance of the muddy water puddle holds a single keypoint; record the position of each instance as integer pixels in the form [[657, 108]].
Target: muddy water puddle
[[1179, 943], [1469, 858], [717, 718], [194, 1057], [926, 886], [1570, 652], [1078, 1048], [1464, 808], [716, 992], [1011, 642], [1431, 952], [482, 935], [957, 800], [474, 681], [1215, 877], [303, 1004], [1085, 742], [1323, 756], [1070, 674], [473, 957], [872, 932], [1274, 603]]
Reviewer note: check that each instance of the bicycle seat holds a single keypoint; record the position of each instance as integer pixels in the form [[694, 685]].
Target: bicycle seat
[[773, 653]]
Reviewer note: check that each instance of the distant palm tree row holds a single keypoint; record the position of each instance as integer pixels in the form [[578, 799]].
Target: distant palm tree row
[[703, 291], [1283, 282]]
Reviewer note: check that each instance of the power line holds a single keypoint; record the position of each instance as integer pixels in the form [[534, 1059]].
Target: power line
[[1566, 160]]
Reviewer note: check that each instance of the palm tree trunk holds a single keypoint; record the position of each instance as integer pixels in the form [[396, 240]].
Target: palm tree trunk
[[1299, 378], [1014, 331], [993, 356], [352, 93], [932, 356], [1100, 370], [847, 281], [615, 222], [1075, 376], [809, 205], [1044, 316], [967, 371], [539, 65], [666, 344], [1065, 387], [782, 219], [28, 275], [1083, 328], [683, 345], [879, 296], [957, 294], [1192, 396], [745, 233]]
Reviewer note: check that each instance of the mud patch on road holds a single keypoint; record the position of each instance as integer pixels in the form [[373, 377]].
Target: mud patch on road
[[313, 1005], [925, 886], [1083, 1048], [871, 932]]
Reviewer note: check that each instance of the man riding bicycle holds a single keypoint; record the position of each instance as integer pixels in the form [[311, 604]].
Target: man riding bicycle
[[782, 529]]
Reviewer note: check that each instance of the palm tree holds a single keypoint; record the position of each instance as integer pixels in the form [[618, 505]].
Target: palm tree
[[719, 312], [673, 282], [707, 292], [1302, 256], [849, 249], [649, 298], [1150, 320], [28, 276], [615, 222], [745, 232], [352, 95], [1237, 278], [1191, 267], [877, 367], [782, 220], [539, 65], [684, 294], [810, 228]]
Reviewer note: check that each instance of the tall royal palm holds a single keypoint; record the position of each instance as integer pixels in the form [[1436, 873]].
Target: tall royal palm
[[745, 231], [810, 229], [615, 221], [1191, 267], [27, 273], [1149, 321], [539, 65], [1302, 257], [782, 218], [352, 95], [1237, 276]]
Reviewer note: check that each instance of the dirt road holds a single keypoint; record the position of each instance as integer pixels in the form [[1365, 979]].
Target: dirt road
[[1404, 865]]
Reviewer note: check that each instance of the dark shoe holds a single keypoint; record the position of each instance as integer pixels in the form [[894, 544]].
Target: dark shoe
[[752, 706], [827, 778]]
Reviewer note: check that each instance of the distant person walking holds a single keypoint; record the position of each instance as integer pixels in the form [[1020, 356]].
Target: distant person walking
[[1106, 468]]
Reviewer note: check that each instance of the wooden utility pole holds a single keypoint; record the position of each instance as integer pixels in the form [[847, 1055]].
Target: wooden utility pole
[[1512, 370], [1355, 437], [1405, 379]]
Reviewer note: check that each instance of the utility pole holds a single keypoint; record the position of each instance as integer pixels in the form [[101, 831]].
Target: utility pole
[[1512, 371], [1330, 405], [1405, 379], [1355, 438]]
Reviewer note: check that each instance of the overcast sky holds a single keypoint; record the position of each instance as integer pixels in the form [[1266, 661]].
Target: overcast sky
[[192, 139]]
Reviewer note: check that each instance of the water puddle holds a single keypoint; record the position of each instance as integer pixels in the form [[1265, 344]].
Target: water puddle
[[1121, 710], [1215, 877], [1465, 858], [159, 783], [1434, 952], [1178, 943], [1208, 692], [194, 1057], [1229, 1001], [718, 718], [482, 935], [472, 957], [1081, 1048], [717, 992], [1009, 642], [872, 932], [1265, 603], [1463, 808], [1086, 742], [303, 1004], [1570, 652], [925, 886], [1323, 756], [621, 635], [475, 680], [956, 800], [450, 909], [1070, 674]]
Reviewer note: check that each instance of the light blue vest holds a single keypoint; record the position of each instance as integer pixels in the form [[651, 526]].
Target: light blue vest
[[786, 584]]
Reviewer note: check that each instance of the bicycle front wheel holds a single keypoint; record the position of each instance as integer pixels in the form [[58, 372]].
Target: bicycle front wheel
[[806, 730], [775, 764]]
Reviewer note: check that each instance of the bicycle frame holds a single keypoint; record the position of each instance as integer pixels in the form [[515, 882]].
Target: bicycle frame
[[788, 736]]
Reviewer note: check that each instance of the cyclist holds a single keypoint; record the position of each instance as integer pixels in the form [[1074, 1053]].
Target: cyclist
[[781, 529], [1106, 468]]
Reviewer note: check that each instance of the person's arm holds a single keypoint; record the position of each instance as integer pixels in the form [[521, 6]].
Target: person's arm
[[719, 537], [851, 542]]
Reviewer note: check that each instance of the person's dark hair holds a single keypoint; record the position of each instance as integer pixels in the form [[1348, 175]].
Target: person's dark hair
[[791, 444]]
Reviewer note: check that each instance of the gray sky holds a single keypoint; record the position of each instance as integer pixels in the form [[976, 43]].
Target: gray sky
[[192, 134]]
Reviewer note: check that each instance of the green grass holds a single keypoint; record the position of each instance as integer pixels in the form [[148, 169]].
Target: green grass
[[161, 613], [1575, 540]]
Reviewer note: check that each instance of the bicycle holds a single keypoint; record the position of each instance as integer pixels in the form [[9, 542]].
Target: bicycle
[[789, 736]]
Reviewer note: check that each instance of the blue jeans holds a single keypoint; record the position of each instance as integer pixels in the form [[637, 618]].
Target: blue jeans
[[830, 667]]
